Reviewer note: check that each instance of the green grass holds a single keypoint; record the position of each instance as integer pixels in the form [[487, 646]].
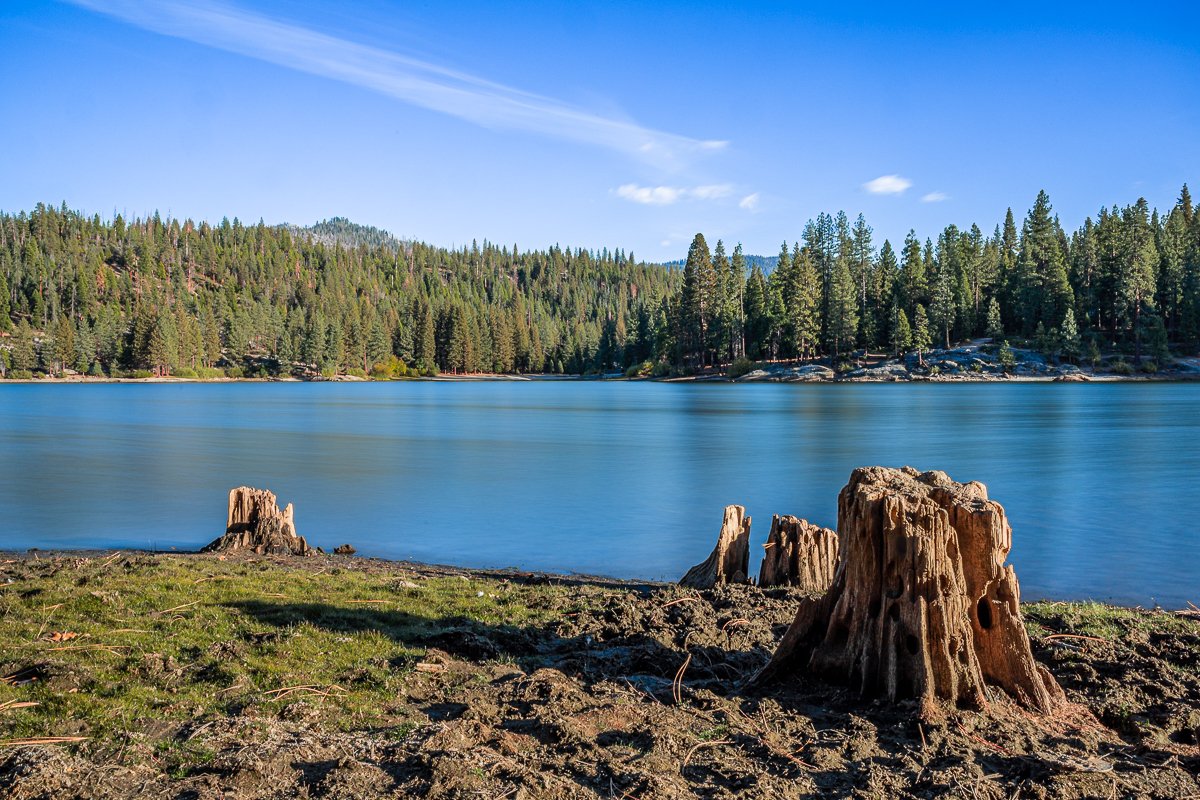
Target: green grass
[[1098, 619], [186, 638]]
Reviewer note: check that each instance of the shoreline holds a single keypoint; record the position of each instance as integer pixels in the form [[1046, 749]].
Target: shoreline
[[130, 676], [503, 378], [379, 563]]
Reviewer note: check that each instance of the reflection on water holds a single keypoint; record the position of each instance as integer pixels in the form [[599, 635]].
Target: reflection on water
[[624, 479]]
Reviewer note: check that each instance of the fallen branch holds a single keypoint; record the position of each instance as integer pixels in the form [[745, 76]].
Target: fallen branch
[[176, 608], [691, 598], [42, 740], [10, 705], [1073, 636]]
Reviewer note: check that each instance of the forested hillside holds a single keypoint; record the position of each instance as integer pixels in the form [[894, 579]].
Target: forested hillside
[[175, 296], [1127, 280], [167, 296]]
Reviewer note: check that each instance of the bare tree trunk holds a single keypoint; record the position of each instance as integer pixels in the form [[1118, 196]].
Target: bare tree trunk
[[799, 554], [730, 559], [255, 523], [921, 605]]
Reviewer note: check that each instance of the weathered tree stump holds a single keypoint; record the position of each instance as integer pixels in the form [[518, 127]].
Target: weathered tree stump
[[921, 605], [730, 559], [799, 553], [255, 523]]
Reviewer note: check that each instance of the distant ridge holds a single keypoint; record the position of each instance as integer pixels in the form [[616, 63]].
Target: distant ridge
[[765, 263], [341, 231]]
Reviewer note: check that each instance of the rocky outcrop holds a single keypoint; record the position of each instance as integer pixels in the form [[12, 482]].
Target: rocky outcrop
[[799, 553], [730, 559], [255, 523], [922, 605]]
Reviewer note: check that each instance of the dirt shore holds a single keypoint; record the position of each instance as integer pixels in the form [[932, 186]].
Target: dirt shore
[[190, 676]]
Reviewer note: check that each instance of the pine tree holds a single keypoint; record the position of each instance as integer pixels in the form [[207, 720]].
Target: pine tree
[[942, 310], [24, 355], [901, 332], [921, 338], [735, 284], [162, 345], [1045, 291], [862, 257], [995, 328], [64, 344], [758, 321], [1071, 344], [424, 343], [696, 301], [1135, 281], [843, 309], [912, 275]]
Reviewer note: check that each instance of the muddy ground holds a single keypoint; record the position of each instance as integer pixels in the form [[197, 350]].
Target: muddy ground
[[632, 691]]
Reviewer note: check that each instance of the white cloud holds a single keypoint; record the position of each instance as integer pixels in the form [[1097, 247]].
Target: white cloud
[[650, 195], [411, 80], [669, 195], [935, 197], [749, 202], [888, 184], [711, 192]]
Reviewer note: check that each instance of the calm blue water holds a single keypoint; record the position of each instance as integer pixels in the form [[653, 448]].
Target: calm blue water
[[625, 479]]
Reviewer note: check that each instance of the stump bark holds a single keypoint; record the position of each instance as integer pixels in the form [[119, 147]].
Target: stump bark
[[730, 559], [922, 604], [799, 553], [255, 523]]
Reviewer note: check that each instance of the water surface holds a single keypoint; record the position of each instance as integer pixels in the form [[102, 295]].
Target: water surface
[[622, 479]]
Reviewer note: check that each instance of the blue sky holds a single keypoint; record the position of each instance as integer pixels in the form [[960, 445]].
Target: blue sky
[[617, 124]]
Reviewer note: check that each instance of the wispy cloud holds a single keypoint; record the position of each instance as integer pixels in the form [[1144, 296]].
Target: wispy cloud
[[650, 195], [888, 184], [420, 83], [669, 195], [749, 202], [934, 197]]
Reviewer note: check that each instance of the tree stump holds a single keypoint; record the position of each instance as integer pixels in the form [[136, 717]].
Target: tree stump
[[921, 605], [730, 559], [799, 553], [255, 523]]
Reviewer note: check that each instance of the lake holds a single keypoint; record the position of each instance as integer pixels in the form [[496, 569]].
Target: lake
[[626, 479]]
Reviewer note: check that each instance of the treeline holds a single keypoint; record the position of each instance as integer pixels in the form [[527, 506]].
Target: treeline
[[168, 296], [1128, 280]]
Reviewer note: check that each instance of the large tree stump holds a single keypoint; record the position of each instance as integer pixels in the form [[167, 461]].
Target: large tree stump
[[255, 523], [799, 553], [921, 605], [730, 559]]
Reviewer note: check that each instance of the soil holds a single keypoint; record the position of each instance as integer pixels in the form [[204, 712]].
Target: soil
[[634, 692]]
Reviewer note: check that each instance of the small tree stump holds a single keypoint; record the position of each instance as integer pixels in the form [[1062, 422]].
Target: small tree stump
[[921, 605], [799, 553], [255, 523], [730, 559]]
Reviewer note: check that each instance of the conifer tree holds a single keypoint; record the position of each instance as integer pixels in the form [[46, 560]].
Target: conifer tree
[[696, 301], [64, 344], [921, 338], [1069, 336], [995, 327], [901, 332], [24, 356]]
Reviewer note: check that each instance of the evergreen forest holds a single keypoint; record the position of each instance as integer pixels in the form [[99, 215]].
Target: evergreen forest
[[157, 296]]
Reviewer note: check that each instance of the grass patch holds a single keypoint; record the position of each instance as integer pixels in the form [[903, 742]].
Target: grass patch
[[113, 643]]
